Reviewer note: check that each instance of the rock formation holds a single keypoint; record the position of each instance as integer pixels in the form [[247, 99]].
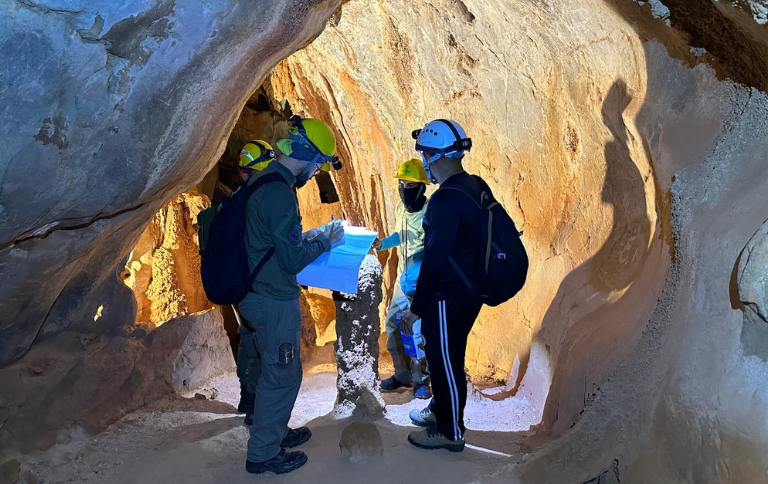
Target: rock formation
[[357, 346], [586, 270], [125, 107], [117, 108], [163, 269], [89, 381], [595, 140], [750, 293]]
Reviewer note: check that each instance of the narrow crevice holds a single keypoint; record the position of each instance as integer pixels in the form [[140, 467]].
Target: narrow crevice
[[48, 229], [39, 8]]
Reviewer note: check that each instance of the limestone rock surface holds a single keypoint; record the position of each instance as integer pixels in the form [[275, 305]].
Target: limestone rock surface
[[629, 148], [622, 159], [554, 135], [9, 471], [752, 275], [61, 384], [119, 107], [163, 270], [750, 293]]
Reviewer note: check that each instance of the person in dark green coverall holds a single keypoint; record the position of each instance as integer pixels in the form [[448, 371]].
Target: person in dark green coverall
[[272, 307], [254, 157]]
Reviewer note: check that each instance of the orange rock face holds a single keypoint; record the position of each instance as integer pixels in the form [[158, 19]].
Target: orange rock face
[[559, 148], [164, 268]]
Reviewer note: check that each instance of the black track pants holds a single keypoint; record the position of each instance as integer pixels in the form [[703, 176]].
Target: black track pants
[[445, 328]]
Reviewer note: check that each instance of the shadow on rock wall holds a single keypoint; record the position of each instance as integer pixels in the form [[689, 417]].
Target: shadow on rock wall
[[577, 328], [681, 407]]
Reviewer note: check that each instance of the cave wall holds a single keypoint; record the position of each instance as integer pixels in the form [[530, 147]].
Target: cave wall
[[123, 107], [633, 163], [109, 110], [552, 115], [688, 404], [634, 166], [163, 269], [85, 381]]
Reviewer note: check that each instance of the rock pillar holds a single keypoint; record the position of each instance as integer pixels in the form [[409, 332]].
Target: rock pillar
[[358, 327]]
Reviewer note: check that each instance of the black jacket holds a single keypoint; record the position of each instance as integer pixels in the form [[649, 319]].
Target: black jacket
[[451, 228]]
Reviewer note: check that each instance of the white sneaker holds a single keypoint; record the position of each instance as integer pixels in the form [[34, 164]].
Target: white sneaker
[[424, 417]]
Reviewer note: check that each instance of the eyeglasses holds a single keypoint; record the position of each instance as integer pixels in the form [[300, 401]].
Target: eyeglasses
[[408, 184]]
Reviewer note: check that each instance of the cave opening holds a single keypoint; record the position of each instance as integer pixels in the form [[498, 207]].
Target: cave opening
[[162, 271], [163, 268], [517, 353]]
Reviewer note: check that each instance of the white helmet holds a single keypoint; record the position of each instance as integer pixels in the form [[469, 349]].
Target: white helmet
[[441, 138]]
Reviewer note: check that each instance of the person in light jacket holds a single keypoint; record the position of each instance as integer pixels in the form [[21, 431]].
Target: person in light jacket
[[408, 237]]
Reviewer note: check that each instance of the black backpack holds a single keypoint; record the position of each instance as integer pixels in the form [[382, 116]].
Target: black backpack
[[503, 261], [223, 259]]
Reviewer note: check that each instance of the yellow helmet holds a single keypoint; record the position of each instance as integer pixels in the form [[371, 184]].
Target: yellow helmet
[[256, 155], [412, 170], [311, 141], [320, 134]]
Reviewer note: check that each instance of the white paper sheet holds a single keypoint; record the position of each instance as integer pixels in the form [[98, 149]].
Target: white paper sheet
[[338, 269]]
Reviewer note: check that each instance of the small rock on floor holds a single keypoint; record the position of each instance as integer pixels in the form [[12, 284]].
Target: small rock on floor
[[9, 471], [361, 441], [207, 394]]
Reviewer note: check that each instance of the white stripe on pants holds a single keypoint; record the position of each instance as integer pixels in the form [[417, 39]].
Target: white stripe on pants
[[449, 370]]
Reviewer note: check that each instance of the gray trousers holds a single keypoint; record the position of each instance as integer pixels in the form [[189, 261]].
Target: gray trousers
[[245, 364], [276, 385], [407, 369]]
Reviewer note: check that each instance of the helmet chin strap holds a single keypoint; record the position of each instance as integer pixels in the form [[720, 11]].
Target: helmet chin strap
[[428, 163]]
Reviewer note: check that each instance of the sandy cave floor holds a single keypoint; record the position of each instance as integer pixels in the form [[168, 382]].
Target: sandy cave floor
[[196, 442]]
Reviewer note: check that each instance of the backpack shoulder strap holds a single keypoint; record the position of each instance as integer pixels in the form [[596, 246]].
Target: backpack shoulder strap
[[486, 202], [465, 192], [485, 196], [263, 180]]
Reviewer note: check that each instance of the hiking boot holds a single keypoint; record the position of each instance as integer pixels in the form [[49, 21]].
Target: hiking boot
[[424, 417], [279, 464], [393, 383], [422, 392], [246, 402], [296, 437], [432, 439]]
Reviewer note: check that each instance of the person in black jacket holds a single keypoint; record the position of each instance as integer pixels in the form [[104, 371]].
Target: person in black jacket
[[444, 301]]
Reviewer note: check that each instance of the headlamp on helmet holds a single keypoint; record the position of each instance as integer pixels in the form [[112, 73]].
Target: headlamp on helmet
[[256, 155]]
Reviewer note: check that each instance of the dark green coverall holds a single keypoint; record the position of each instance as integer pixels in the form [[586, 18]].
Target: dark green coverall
[[272, 308]]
